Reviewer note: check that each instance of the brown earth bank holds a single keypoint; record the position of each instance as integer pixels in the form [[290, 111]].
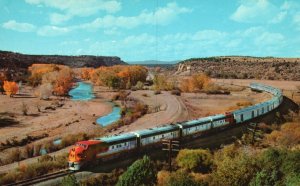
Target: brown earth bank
[[239, 67], [15, 65]]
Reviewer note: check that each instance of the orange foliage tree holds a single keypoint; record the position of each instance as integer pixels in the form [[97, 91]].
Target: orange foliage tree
[[63, 82], [119, 76], [195, 83], [10, 88], [60, 77], [38, 70], [86, 73]]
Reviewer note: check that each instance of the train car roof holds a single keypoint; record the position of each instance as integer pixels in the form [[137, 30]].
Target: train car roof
[[157, 130], [117, 138], [88, 142]]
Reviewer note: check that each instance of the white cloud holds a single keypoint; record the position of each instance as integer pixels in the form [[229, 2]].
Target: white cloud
[[52, 31], [259, 11], [56, 18], [20, 27], [267, 38], [71, 8], [161, 16], [209, 35], [296, 20]]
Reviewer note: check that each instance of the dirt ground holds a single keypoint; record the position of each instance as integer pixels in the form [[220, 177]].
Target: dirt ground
[[62, 117], [200, 104]]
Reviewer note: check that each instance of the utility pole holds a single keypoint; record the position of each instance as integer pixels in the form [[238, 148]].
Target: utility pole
[[171, 146], [253, 129]]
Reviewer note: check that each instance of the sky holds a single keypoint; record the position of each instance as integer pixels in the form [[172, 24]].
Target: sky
[[138, 30]]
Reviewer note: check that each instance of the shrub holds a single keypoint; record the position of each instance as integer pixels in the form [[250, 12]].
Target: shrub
[[179, 178], [141, 172], [10, 88], [69, 180], [103, 179], [133, 89], [157, 92], [73, 138], [233, 167], [45, 158], [196, 160], [139, 85], [28, 151], [34, 169], [287, 136], [44, 91], [176, 92], [145, 95], [162, 177], [14, 155], [24, 109], [195, 83]]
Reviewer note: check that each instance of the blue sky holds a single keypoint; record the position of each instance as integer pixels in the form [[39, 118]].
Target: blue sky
[[151, 29]]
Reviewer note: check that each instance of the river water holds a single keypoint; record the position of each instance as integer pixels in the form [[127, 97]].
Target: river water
[[83, 92]]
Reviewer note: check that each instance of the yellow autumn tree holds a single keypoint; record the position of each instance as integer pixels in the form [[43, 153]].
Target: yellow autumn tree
[[195, 83], [11, 88]]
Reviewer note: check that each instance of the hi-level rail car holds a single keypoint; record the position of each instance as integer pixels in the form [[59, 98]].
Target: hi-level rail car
[[111, 147]]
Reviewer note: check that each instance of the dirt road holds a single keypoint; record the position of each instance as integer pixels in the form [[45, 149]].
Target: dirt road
[[166, 109]]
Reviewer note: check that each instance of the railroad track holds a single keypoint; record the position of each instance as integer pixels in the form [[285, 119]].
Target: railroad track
[[42, 178]]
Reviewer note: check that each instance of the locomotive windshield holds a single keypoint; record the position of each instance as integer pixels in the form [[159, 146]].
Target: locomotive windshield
[[81, 145]]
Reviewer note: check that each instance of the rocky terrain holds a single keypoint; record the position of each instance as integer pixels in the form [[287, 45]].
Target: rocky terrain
[[17, 60], [236, 67]]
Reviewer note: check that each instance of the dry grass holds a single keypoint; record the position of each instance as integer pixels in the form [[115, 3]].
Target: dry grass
[[47, 164], [239, 105]]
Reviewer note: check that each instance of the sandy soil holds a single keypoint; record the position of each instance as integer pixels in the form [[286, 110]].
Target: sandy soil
[[286, 85], [200, 104]]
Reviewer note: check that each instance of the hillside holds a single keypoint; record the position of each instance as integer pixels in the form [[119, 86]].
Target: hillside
[[13, 60], [243, 67]]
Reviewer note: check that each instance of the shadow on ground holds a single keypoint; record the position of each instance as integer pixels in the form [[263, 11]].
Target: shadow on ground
[[6, 120]]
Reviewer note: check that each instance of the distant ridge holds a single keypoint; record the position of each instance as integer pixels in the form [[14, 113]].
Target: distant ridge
[[242, 67], [153, 62], [18, 60]]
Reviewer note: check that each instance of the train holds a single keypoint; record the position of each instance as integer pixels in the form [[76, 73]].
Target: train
[[111, 147]]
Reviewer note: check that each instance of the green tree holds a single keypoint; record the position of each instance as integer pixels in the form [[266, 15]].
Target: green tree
[[141, 172], [195, 160], [182, 178], [292, 180], [69, 180], [233, 167]]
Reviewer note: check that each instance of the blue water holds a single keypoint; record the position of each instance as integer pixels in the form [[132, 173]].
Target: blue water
[[57, 141], [83, 91], [110, 118], [43, 151]]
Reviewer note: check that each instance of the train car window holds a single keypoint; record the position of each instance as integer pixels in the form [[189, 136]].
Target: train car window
[[153, 137], [258, 112], [112, 147], [252, 113], [242, 117], [262, 110]]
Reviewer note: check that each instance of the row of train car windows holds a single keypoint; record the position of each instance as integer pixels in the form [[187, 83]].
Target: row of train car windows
[[119, 145]]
